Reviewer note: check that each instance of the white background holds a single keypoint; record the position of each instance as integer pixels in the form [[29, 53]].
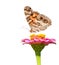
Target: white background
[[13, 27]]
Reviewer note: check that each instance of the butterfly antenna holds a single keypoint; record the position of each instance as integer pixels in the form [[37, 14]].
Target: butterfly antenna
[[23, 27]]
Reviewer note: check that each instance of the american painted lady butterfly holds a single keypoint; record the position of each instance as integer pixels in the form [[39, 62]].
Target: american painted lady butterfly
[[37, 22]]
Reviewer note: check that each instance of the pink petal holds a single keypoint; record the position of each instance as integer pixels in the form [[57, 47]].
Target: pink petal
[[41, 40], [36, 40], [52, 41], [24, 40]]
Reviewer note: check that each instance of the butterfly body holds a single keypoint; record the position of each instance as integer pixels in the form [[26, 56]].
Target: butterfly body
[[37, 22]]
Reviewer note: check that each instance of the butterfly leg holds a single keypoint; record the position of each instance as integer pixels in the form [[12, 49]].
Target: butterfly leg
[[32, 30]]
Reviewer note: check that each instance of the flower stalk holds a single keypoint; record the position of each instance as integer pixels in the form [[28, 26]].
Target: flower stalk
[[38, 58], [38, 48]]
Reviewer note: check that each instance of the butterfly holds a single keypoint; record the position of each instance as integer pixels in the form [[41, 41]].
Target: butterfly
[[37, 22]]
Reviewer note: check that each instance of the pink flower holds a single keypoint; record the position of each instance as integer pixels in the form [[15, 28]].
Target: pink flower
[[45, 41]]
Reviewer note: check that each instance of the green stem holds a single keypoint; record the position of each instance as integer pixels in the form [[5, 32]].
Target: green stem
[[38, 58], [38, 48]]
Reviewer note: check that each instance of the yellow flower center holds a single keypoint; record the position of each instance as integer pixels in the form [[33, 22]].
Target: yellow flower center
[[32, 36]]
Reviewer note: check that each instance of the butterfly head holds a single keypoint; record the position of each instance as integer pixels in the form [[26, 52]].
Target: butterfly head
[[27, 10]]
